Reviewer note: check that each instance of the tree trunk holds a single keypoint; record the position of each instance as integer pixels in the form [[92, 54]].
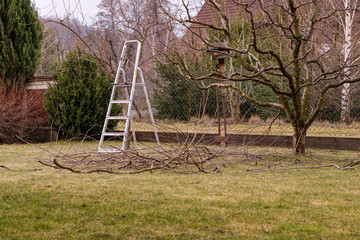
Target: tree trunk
[[299, 140], [345, 91], [235, 105], [345, 104]]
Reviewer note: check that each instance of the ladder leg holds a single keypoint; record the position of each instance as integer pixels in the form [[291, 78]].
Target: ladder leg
[[149, 107], [113, 92], [125, 144], [106, 122], [133, 134]]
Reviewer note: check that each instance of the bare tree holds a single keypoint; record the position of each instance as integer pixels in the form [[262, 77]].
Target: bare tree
[[56, 43], [346, 17], [116, 22], [291, 52]]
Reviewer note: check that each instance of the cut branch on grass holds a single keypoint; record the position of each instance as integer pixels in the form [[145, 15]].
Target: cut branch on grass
[[353, 164], [30, 170], [300, 168], [2, 166]]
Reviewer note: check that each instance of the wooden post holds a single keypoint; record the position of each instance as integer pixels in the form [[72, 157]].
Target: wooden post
[[222, 70]]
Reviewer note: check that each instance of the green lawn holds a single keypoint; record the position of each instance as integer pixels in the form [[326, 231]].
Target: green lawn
[[233, 204]]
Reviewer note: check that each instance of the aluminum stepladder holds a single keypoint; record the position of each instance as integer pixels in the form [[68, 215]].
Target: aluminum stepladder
[[129, 99]]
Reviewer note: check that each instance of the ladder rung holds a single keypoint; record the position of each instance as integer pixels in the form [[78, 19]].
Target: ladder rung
[[120, 101], [113, 134], [121, 84], [128, 84], [116, 117]]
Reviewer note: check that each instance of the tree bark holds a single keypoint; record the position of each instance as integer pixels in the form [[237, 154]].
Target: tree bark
[[345, 104], [299, 140], [345, 91], [235, 105]]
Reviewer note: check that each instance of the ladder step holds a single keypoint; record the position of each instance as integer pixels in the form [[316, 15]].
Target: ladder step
[[116, 117], [113, 134], [120, 101], [127, 84]]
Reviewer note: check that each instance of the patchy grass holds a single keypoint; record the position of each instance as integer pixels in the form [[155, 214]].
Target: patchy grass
[[318, 129], [232, 204]]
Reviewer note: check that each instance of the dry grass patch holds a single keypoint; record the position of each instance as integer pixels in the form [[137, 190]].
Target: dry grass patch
[[254, 126]]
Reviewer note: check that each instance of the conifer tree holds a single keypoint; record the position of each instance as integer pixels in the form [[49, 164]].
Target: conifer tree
[[20, 41]]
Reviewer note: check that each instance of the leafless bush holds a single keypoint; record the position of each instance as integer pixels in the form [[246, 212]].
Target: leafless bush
[[21, 113]]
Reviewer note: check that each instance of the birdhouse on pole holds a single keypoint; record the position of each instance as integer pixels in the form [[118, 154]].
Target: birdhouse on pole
[[220, 51]]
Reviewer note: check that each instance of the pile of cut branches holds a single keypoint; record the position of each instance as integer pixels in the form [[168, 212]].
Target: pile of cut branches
[[184, 159], [189, 156]]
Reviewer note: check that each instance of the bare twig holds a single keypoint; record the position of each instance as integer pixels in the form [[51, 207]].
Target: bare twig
[[30, 170], [352, 164], [2, 166]]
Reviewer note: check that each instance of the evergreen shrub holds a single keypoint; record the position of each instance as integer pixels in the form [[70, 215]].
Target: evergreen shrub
[[77, 102]]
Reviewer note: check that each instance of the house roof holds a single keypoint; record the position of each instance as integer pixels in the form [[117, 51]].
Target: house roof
[[207, 13]]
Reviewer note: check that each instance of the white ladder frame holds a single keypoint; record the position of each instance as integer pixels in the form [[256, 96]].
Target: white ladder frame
[[129, 100]]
